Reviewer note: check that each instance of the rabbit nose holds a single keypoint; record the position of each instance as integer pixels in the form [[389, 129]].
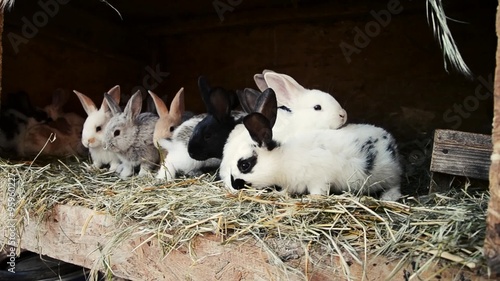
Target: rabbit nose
[[237, 183], [91, 140]]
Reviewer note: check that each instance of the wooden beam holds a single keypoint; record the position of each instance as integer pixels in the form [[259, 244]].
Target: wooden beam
[[81, 236], [492, 241]]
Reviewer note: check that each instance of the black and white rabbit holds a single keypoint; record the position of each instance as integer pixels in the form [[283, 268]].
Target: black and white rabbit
[[130, 135], [211, 133], [359, 158]]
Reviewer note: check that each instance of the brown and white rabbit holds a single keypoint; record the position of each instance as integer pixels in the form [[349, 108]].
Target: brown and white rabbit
[[130, 135], [54, 138], [55, 110], [174, 140], [93, 129], [168, 119]]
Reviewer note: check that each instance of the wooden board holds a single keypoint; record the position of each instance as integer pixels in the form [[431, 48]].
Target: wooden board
[[492, 241], [79, 235], [461, 154]]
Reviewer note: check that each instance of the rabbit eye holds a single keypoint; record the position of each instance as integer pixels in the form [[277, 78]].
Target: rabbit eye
[[317, 107], [207, 136], [172, 128], [246, 165], [98, 128], [117, 133]]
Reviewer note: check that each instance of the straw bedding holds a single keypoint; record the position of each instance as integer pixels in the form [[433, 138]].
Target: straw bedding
[[448, 227]]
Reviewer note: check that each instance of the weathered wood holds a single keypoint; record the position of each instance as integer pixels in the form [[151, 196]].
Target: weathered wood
[[492, 241], [461, 154], [79, 235]]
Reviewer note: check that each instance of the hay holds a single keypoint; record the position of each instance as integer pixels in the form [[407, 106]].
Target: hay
[[437, 227]]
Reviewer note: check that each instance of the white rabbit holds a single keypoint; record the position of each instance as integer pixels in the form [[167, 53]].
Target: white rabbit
[[93, 129], [130, 135], [304, 105], [359, 158]]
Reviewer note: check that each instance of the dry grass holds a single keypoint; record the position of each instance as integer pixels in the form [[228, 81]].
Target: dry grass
[[438, 227]]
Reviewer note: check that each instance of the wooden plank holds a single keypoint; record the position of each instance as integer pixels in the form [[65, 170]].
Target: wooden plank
[[80, 236], [461, 154], [492, 240]]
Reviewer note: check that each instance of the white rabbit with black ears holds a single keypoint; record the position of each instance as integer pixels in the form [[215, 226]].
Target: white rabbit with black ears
[[359, 158]]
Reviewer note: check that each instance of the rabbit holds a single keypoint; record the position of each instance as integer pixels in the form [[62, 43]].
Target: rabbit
[[130, 135], [178, 160], [55, 138], [358, 157], [93, 129], [55, 110], [299, 105], [168, 120], [17, 115], [175, 140], [210, 134]]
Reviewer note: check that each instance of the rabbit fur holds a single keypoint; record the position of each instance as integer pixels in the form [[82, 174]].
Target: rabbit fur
[[359, 158], [210, 134], [93, 129], [168, 120], [130, 135]]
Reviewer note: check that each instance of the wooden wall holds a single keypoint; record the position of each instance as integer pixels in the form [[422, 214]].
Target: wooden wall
[[396, 80], [401, 68], [492, 241], [72, 50]]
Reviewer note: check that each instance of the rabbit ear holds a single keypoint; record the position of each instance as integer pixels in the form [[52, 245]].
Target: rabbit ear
[[114, 93], [260, 82], [286, 88], [259, 128], [134, 106], [87, 103], [220, 104], [59, 98], [248, 99], [160, 106], [267, 105], [177, 106], [113, 106], [204, 90]]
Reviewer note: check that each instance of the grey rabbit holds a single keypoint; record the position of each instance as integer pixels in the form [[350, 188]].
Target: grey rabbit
[[130, 135]]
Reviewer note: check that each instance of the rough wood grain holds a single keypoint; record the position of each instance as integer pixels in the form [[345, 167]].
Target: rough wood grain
[[76, 235], [492, 241], [461, 154]]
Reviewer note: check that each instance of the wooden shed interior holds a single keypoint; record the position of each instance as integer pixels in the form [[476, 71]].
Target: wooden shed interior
[[379, 59]]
